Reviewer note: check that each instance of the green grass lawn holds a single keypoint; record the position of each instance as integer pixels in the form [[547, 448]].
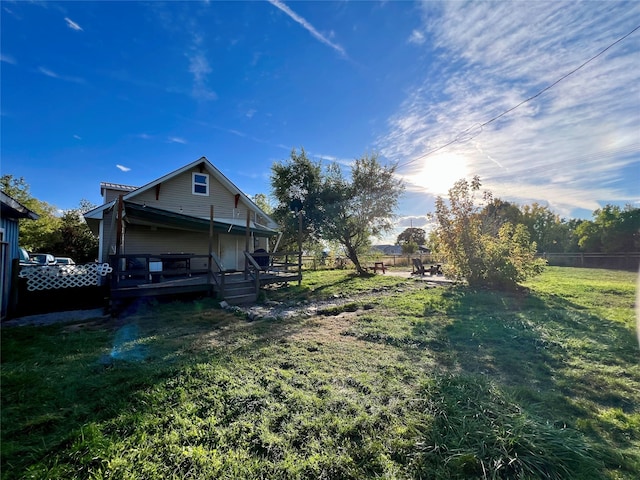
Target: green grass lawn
[[430, 383]]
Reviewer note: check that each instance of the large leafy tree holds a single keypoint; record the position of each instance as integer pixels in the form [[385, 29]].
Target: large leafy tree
[[262, 201], [332, 207], [296, 184], [547, 229], [35, 235], [65, 235], [74, 237], [482, 258], [356, 209], [613, 229], [411, 238], [498, 212]]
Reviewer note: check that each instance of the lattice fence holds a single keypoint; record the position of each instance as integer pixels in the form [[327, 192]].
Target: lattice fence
[[64, 276]]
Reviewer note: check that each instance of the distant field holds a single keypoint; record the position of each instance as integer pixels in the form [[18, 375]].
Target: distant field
[[410, 382]]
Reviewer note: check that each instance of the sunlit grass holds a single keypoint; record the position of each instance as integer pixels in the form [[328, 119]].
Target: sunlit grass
[[425, 383]]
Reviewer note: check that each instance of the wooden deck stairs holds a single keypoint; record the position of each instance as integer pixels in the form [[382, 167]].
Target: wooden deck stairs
[[240, 292]]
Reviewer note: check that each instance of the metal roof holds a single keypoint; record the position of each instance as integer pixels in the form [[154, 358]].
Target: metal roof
[[13, 209]]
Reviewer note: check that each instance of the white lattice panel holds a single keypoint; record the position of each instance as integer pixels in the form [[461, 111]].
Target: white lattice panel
[[65, 276]]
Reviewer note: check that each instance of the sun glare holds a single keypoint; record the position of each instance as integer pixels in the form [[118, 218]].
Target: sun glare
[[438, 173]]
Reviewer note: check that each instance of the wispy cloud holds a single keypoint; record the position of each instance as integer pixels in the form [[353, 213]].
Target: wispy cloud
[[307, 26], [177, 140], [66, 78], [417, 37], [347, 162], [237, 133], [186, 18], [123, 168], [72, 25], [7, 59], [77, 137], [571, 146], [200, 70]]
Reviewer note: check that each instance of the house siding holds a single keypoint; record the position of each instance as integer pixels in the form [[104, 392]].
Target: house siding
[[175, 195], [109, 233], [110, 195], [8, 252], [147, 240], [11, 228]]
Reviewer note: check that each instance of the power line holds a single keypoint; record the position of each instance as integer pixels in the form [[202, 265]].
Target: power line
[[482, 125]]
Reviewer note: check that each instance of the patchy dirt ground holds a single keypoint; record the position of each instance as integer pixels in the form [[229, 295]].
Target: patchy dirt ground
[[269, 310], [284, 310]]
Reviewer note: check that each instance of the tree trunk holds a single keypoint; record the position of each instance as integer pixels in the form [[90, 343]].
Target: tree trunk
[[353, 256]]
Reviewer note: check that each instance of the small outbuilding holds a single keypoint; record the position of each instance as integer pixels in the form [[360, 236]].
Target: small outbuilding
[[11, 213]]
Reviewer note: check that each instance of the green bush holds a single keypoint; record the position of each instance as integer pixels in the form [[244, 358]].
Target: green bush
[[480, 258]]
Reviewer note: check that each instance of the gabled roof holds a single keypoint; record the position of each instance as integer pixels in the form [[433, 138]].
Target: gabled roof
[[96, 213], [11, 208]]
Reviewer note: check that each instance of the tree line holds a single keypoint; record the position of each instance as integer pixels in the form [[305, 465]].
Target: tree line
[[612, 230], [65, 235], [485, 240]]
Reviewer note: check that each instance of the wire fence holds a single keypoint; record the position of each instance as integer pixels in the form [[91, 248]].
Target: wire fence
[[615, 261]]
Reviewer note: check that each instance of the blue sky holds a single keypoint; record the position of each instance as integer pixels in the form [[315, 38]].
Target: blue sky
[[126, 92]]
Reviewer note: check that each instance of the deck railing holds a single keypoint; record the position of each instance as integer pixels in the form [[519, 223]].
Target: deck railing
[[275, 263], [140, 268], [252, 269], [135, 269]]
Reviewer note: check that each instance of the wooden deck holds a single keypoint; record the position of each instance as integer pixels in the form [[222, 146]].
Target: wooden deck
[[147, 275], [130, 288]]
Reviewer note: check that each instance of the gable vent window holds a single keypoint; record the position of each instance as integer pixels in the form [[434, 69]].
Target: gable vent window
[[200, 184]]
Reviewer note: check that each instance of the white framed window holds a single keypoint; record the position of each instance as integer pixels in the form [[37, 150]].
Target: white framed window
[[200, 184]]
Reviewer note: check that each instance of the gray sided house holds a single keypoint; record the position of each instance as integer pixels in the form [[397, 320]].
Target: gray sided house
[[172, 215], [10, 214]]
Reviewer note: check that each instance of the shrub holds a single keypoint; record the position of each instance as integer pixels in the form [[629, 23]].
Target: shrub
[[475, 256]]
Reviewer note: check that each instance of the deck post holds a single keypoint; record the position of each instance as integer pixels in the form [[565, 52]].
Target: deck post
[[246, 244], [209, 262], [119, 225]]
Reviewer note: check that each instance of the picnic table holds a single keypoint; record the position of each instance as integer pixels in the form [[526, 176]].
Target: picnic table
[[378, 266]]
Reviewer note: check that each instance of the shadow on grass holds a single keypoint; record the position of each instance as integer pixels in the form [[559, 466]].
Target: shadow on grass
[[560, 361], [539, 341], [64, 401], [58, 379]]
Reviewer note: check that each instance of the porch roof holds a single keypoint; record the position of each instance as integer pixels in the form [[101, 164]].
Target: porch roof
[[145, 215], [11, 208]]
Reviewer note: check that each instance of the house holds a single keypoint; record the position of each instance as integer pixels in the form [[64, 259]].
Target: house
[[173, 215], [10, 214]]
